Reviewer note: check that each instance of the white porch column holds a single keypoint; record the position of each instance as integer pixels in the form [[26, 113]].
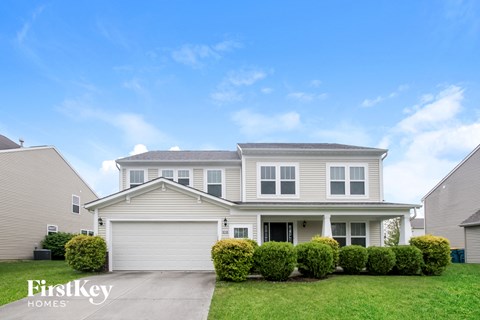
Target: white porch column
[[327, 226], [259, 229], [405, 229]]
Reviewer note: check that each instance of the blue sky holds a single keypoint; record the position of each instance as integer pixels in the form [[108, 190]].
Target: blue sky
[[102, 80]]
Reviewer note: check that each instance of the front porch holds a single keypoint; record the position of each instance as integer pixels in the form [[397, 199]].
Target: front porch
[[364, 230]]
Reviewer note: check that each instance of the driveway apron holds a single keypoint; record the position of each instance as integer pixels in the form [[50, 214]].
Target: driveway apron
[[134, 295]]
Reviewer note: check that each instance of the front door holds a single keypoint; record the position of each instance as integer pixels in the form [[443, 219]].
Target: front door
[[278, 231]]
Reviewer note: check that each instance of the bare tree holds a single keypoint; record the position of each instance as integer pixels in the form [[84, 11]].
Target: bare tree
[[392, 232]]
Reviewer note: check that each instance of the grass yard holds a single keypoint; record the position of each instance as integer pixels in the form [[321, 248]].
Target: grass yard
[[453, 295], [14, 276]]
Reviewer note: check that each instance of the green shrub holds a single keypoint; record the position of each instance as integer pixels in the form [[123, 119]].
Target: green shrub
[[435, 251], [232, 259], [380, 260], [56, 242], [276, 260], [353, 259], [255, 246], [314, 259], [335, 248], [409, 260], [86, 253]]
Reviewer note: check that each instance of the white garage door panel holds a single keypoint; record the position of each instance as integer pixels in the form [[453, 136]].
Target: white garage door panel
[[163, 245]]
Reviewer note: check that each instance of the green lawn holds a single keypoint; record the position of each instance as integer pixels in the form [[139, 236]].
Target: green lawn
[[454, 295], [14, 276]]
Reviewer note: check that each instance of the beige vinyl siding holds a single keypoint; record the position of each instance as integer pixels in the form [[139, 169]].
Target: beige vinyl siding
[[472, 245], [152, 173], [124, 179], [198, 179], [375, 233], [454, 201], [170, 205], [312, 177], [36, 188], [232, 184], [312, 228]]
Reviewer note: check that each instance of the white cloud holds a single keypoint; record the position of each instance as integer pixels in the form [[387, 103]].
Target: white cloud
[[266, 90], [228, 90], [174, 148], [23, 32], [195, 55], [427, 144], [257, 124], [306, 97], [138, 149], [372, 102]]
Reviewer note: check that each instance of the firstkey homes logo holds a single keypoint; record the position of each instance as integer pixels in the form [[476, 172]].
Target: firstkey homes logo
[[54, 296]]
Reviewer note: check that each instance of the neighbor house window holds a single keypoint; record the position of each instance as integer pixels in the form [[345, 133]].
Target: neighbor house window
[[351, 233], [214, 182], [75, 204], [86, 232], [240, 231], [137, 177], [278, 180], [347, 180], [182, 176], [51, 229]]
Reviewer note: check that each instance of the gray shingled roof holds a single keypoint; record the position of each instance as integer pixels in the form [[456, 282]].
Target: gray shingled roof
[[6, 143], [303, 146], [473, 220], [418, 223], [184, 156]]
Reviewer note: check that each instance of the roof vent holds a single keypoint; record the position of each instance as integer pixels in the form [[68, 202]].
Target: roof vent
[[21, 142]]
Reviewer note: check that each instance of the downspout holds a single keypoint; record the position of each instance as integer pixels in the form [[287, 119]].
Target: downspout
[[414, 213]]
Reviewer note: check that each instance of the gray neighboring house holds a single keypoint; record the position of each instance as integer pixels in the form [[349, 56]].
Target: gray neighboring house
[[471, 227], [453, 200], [418, 227], [173, 205], [40, 193]]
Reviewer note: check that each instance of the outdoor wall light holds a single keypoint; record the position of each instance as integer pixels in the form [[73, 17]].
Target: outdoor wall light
[[100, 222], [225, 222], [304, 223]]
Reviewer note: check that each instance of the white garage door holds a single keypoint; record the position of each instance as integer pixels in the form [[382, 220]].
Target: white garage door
[[162, 245]]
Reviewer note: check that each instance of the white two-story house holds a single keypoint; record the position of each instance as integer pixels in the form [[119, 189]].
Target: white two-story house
[[173, 205]]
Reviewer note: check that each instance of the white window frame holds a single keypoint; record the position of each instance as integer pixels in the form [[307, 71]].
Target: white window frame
[[347, 194], [205, 179], [278, 180], [175, 174], [349, 232], [79, 204], [87, 232], [145, 176], [52, 225], [236, 225]]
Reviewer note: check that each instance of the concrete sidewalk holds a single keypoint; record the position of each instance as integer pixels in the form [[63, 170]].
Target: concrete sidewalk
[[134, 295]]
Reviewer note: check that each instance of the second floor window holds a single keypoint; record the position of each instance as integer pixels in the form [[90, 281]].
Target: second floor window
[[181, 176], [347, 180], [214, 182], [137, 177], [278, 180]]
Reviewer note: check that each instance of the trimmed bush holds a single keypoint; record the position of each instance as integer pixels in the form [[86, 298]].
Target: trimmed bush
[[435, 251], [255, 246], [232, 259], [314, 259], [409, 260], [335, 248], [353, 259], [56, 242], [86, 253], [380, 260], [276, 260]]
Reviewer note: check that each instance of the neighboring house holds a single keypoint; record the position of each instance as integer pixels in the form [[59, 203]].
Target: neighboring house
[[472, 238], [455, 198], [418, 227], [174, 205], [40, 193]]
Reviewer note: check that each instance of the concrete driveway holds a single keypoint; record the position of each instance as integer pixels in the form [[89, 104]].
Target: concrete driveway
[[133, 295]]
